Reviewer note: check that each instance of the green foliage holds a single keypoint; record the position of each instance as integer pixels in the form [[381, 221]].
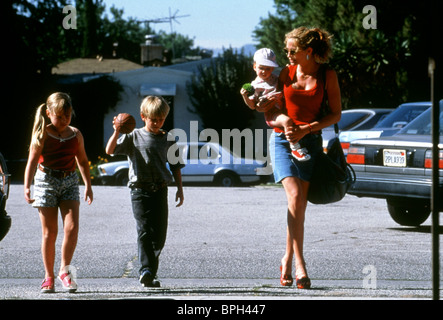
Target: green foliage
[[91, 100], [376, 67], [249, 88], [215, 92]]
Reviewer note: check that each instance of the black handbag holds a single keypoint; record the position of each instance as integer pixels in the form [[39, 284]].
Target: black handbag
[[332, 175]]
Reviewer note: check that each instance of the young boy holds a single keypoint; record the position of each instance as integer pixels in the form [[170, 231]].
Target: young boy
[[265, 85], [146, 149]]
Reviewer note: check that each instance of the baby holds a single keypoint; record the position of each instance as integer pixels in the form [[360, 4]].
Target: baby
[[256, 94]]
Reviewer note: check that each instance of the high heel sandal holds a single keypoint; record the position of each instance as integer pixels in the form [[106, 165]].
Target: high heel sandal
[[303, 283], [286, 280]]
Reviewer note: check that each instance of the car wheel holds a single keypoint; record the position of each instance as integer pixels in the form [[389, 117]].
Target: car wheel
[[226, 179], [408, 212], [122, 178]]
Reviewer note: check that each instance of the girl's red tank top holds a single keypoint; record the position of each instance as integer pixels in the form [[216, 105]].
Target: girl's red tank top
[[59, 154], [302, 106]]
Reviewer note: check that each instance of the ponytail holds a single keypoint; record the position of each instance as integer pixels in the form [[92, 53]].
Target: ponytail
[[55, 103], [39, 127]]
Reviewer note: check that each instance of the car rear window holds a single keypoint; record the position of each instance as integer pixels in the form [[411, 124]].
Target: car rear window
[[422, 124], [401, 116], [350, 119]]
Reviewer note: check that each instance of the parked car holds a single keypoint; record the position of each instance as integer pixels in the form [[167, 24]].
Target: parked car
[[388, 126], [355, 119], [398, 169], [204, 163], [5, 220]]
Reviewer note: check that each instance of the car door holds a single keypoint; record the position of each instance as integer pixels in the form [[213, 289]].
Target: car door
[[200, 163]]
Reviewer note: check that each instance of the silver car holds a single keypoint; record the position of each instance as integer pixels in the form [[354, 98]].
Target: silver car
[[355, 119], [204, 163], [399, 169], [388, 126]]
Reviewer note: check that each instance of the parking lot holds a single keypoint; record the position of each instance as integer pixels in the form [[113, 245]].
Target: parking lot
[[226, 243]]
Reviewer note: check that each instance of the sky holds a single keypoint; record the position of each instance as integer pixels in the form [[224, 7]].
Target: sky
[[212, 24]]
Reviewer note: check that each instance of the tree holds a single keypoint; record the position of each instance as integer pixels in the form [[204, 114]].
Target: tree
[[123, 36], [214, 92], [376, 67]]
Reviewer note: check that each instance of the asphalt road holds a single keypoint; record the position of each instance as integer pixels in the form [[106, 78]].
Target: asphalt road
[[225, 243]]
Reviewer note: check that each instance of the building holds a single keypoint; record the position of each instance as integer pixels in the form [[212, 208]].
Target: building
[[169, 82]]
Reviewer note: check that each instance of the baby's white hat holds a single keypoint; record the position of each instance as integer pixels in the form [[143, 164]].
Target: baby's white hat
[[265, 57]]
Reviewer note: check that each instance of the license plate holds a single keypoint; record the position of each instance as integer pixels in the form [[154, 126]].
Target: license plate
[[394, 158]]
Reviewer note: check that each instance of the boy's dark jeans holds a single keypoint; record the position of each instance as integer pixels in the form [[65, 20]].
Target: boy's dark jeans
[[150, 211]]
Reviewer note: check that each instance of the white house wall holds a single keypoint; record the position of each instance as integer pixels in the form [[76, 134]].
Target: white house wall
[[131, 98]]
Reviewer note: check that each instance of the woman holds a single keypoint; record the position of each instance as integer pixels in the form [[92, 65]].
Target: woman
[[303, 81]]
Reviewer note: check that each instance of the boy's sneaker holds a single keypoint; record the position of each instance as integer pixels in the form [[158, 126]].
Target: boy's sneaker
[[148, 281], [301, 154]]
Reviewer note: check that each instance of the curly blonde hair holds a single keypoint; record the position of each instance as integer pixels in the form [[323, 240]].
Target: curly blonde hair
[[317, 39]]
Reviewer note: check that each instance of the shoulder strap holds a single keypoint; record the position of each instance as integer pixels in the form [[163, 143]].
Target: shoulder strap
[[324, 104]]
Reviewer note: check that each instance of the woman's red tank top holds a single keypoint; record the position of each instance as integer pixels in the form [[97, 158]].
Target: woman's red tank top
[[302, 106]]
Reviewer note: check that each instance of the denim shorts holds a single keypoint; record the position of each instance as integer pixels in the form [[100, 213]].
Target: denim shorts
[[285, 165], [50, 191]]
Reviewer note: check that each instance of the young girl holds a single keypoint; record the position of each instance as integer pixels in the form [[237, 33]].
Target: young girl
[[55, 149]]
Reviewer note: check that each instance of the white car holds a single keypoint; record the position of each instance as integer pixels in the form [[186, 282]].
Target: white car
[[354, 119], [204, 163]]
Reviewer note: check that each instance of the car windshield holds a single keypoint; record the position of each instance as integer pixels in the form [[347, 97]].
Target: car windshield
[[422, 124], [401, 116]]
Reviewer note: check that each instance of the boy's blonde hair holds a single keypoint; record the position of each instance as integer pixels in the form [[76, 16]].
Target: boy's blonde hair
[[154, 107], [56, 103]]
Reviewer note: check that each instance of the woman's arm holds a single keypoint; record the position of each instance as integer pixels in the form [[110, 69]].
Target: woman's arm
[[334, 100]]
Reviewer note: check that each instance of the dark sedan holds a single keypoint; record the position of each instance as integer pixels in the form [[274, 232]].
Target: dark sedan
[[399, 169]]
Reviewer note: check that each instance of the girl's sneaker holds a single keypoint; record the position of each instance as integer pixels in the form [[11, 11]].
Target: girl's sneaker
[[67, 282], [47, 286]]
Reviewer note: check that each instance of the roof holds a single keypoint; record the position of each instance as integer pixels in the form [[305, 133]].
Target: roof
[[94, 66], [191, 66]]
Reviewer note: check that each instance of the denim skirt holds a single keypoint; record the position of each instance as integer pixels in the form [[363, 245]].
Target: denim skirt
[[285, 165]]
